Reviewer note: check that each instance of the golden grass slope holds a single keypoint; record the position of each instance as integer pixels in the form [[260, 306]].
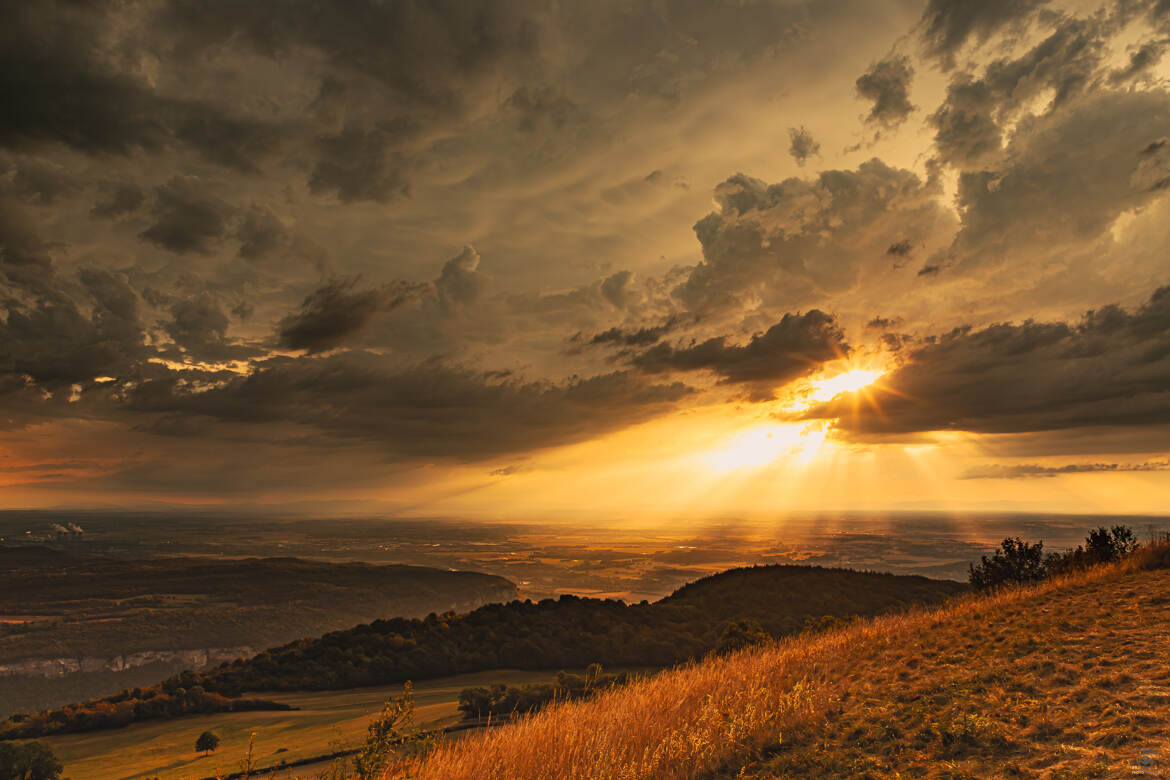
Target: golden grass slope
[[1067, 679]]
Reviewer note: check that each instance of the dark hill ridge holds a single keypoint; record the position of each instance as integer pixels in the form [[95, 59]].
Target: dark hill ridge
[[573, 631], [814, 591]]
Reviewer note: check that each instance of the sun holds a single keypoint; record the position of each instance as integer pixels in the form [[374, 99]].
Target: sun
[[848, 382]]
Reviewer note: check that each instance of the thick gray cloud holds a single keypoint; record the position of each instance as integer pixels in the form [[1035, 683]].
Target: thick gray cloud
[[430, 410], [117, 200], [59, 332], [186, 218], [261, 234], [1112, 368], [339, 309], [794, 347], [887, 85]]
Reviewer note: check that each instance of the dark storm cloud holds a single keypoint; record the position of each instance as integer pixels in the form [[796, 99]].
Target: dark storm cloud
[[430, 410], [1110, 368], [117, 199], [199, 326], [60, 85], [793, 347], [260, 234], [887, 85], [801, 145], [428, 51], [947, 25], [56, 334], [38, 182], [1035, 470], [186, 218], [362, 163], [339, 309]]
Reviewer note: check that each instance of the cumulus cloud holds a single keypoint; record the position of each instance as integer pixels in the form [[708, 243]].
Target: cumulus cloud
[[887, 85], [788, 243], [1111, 368]]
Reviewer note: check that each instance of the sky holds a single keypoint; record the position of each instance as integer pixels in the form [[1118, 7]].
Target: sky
[[620, 260]]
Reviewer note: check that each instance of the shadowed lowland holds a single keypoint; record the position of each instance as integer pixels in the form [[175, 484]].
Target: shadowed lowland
[[1066, 678], [73, 624]]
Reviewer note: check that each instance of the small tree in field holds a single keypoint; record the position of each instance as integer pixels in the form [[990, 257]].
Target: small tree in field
[[206, 743], [1016, 562], [391, 733]]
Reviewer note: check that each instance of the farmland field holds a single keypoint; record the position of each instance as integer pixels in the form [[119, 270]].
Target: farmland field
[[326, 721]]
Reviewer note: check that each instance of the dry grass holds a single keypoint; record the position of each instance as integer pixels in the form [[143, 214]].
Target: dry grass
[[1066, 679]]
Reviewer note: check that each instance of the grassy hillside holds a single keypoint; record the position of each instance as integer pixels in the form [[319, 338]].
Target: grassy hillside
[[1066, 679], [574, 632]]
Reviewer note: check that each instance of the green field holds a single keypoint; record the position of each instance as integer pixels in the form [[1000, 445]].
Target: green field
[[326, 721]]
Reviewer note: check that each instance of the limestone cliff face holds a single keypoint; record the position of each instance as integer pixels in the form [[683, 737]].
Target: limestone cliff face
[[199, 658], [202, 658]]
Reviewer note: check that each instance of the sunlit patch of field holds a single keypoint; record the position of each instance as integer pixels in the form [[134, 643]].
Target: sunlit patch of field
[[326, 721], [1067, 679]]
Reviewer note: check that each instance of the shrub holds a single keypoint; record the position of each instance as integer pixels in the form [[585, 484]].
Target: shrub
[[740, 634], [28, 761], [1015, 563], [1101, 546]]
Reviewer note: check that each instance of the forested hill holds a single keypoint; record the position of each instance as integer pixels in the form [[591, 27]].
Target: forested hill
[[573, 632]]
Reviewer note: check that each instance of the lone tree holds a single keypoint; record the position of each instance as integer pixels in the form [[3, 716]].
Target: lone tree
[[206, 743], [28, 761]]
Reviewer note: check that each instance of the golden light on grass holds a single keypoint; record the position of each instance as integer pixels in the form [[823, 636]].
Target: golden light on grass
[[863, 700]]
